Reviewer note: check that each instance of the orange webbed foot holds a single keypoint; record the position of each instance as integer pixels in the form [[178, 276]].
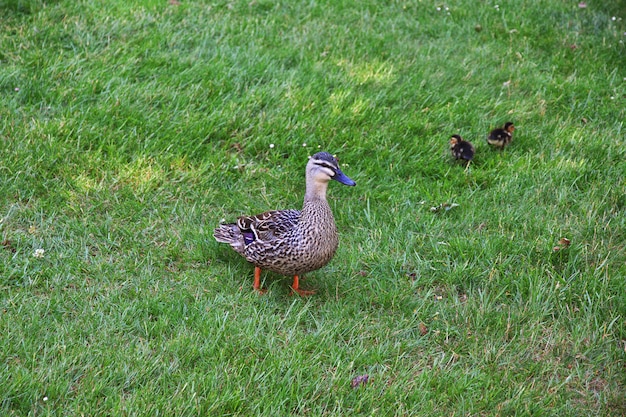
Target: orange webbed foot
[[295, 288]]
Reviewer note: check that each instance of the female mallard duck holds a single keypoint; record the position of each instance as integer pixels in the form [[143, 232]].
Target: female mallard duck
[[501, 136], [461, 149], [291, 242]]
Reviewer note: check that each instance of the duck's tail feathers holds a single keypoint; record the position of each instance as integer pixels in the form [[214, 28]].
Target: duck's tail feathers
[[231, 234]]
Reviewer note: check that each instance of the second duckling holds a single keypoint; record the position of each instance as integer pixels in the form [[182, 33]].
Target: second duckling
[[501, 136]]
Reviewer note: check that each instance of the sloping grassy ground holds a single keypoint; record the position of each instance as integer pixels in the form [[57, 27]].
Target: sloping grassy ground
[[129, 129]]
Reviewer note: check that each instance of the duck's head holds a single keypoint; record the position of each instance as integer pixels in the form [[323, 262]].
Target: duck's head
[[455, 139], [323, 167], [509, 127]]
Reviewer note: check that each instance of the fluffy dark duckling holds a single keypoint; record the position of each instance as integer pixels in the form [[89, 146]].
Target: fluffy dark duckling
[[501, 136], [461, 149]]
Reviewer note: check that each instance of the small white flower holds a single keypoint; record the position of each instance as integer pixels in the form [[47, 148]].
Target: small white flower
[[612, 98], [438, 9], [39, 253], [17, 89], [304, 145], [45, 398], [271, 146], [614, 18]]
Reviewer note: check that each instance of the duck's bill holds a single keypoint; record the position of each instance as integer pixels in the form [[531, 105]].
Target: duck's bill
[[343, 178]]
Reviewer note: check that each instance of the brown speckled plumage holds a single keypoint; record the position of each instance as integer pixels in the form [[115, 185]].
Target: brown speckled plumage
[[291, 242]]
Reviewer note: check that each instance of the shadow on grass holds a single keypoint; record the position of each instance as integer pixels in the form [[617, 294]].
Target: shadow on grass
[[23, 6], [615, 7]]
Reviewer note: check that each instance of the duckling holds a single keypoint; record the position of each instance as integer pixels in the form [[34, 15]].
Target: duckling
[[461, 149], [291, 242], [501, 136]]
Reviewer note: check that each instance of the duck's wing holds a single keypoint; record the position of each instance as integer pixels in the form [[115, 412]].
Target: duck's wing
[[499, 135], [268, 226], [466, 151]]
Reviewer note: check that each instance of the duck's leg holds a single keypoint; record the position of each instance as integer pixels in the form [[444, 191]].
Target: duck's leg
[[257, 281], [295, 287]]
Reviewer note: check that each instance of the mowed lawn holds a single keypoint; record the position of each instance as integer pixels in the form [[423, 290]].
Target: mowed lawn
[[130, 129]]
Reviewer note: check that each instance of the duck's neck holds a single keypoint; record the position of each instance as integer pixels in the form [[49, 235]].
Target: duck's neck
[[317, 217], [315, 190]]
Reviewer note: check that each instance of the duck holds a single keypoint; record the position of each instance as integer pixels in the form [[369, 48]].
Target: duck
[[291, 242], [461, 149], [501, 136]]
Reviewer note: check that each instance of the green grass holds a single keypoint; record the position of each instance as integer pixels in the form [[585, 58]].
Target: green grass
[[130, 129]]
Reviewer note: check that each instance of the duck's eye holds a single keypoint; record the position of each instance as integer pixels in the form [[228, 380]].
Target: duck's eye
[[326, 165]]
